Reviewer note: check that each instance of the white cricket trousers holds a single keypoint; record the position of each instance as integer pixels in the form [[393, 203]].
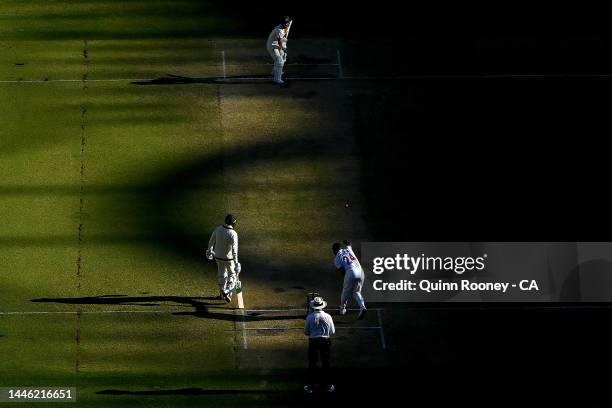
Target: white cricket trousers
[[352, 286], [278, 56], [226, 275]]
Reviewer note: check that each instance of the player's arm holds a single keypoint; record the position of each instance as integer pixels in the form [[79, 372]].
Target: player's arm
[[332, 328], [337, 261], [307, 327], [210, 253], [235, 251], [235, 247], [282, 39], [339, 266]]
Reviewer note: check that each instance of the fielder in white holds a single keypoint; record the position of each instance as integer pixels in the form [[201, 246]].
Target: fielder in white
[[347, 262], [277, 48], [223, 247]]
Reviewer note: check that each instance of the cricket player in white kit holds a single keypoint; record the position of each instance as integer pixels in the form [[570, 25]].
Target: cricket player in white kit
[[223, 247], [347, 262], [277, 48]]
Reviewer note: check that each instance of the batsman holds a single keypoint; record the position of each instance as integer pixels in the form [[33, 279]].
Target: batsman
[[277, 48], [223, 247]]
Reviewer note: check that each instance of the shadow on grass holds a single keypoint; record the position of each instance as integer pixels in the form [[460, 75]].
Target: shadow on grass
[[206, 313], [180, 234], [156, 211], [190, 391], [171, 79], [202, 309], [130, 300]]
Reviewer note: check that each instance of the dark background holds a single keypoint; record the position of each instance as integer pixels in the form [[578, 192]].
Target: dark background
[[480, 159], [474, 159]]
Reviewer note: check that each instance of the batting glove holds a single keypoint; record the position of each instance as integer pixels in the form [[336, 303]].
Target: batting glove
[[238, 267], [210, 254]]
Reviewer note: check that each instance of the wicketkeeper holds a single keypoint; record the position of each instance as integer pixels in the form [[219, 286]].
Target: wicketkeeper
[[223, 247], [346, 261], [277, 48]]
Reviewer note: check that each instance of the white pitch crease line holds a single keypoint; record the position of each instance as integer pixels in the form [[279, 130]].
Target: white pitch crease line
[[301, 328], [244, 332], [18, 313], [418, 308], [356, 78], [37, 81], [297, 64], [87, 312], [42, 81], [358, 327], [286, 78], [294, 310]]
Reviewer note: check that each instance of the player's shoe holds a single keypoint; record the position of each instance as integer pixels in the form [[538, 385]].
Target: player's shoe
[[308, 389], [279, 82], [331, 388], [342, 311], [362, 313]]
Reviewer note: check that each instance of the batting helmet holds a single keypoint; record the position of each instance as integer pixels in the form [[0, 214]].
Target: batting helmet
[[335, 247], [230, 219]]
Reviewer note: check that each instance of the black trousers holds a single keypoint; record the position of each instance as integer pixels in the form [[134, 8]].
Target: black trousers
[[320, 346]]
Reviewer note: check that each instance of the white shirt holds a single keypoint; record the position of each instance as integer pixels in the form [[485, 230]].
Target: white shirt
[[224, 242], [345, 258], [319, 324], [277, 32]]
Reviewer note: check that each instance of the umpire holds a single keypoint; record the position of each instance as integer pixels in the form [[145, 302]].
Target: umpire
[[319, 327]]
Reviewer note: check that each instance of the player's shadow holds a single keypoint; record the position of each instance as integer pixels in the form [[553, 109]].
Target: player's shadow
[[207, 313], [189, 391], [196, 302], [177, 79], [170, 79], [202, 308]]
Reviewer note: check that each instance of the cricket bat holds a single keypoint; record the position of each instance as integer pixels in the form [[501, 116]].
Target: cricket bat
[[286, 37], [238, 289]]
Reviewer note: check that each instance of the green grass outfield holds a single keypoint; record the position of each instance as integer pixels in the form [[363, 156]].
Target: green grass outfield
[[112, 183]]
